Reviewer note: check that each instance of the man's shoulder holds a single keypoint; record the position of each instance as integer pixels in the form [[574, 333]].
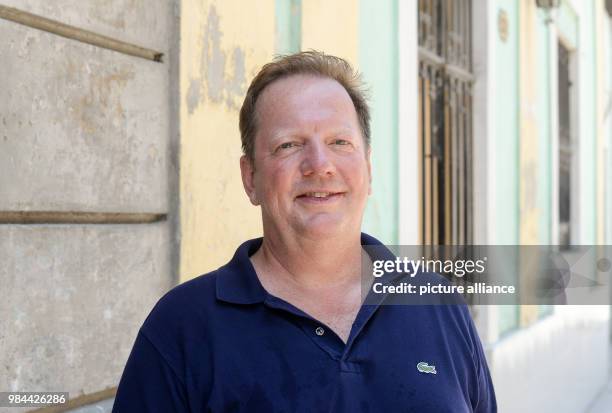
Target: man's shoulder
[[195, 289], [196, 304], [183, 306]]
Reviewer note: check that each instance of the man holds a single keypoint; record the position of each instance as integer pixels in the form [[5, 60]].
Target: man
[[281, 327]]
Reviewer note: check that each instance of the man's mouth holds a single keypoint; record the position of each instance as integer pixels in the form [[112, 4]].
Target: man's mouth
[[320, 196]]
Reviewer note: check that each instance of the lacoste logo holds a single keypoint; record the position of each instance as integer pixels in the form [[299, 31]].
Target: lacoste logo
[[423, 367]]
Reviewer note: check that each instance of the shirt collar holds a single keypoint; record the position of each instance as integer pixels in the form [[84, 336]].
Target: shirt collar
[[237, 281]]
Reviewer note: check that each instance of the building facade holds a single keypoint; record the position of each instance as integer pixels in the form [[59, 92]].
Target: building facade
[[491, 124]]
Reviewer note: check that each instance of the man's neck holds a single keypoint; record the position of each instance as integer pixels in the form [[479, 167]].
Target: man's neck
[[323, 279], [311, 265]]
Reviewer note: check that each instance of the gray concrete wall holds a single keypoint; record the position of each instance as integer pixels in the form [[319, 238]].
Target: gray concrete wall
[[84, 129], [74, 296]]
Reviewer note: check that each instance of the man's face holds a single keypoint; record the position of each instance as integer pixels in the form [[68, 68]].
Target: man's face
[[311, 171]]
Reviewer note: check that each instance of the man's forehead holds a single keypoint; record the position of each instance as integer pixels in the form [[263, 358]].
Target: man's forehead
[[300, 85], [300, 96]]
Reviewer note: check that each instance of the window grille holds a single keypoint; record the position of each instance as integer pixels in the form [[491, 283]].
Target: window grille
[[565, 145], [445, 121]]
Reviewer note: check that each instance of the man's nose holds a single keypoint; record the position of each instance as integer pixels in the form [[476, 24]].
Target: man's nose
[[317, 160]]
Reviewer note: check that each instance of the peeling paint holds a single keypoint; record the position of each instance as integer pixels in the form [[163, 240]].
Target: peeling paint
[[213, 59], [235, 85], [530, 186], [223, 82], [193, 95]]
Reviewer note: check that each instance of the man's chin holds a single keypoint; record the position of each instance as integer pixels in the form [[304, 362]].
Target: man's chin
[[323, 228]]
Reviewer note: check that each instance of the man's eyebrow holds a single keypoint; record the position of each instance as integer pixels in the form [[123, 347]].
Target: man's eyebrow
[[282, 134], [293, 132], [344, 129]]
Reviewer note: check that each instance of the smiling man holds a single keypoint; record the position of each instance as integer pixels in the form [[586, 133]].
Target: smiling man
[[282, 327]]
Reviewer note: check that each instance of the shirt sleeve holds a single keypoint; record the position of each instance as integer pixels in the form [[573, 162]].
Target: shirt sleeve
[[149, 383], [486, 401]]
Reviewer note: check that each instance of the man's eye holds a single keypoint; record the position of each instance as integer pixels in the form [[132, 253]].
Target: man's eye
[[341, 142], [286, 145]]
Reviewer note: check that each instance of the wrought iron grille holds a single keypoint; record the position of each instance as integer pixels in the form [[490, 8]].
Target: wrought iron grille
[[445, 121], [565, 145]]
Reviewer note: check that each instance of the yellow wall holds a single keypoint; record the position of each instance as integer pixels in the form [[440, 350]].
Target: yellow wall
[[223, 45], [529, 142], [331, 27]]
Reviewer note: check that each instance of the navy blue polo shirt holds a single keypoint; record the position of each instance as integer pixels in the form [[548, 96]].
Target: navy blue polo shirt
[[221, 343]]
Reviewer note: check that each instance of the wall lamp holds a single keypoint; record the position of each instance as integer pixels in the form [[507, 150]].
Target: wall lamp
[[553, 4], [550, 7], [548, 4]]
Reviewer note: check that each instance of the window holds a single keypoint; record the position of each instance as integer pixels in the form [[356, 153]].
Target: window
[[445, 121]]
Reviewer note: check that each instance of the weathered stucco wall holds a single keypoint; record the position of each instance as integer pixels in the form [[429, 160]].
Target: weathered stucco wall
[[332, 27], [73, 299], [221, 49], [82, 129], [529, 159]]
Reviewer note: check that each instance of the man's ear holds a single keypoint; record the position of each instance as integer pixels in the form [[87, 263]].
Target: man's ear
[[247, 170], [368, 160]]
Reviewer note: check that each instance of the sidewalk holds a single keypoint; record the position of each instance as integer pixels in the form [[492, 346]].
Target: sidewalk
[[603, 402]]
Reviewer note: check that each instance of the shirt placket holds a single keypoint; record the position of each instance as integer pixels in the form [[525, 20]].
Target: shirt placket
[[325, 337], [318, 332]]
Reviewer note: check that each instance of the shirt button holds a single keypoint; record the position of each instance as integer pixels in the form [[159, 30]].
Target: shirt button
[[320, 331]]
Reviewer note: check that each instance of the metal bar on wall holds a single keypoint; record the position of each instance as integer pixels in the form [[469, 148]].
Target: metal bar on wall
[[75, 33], [72, 217]]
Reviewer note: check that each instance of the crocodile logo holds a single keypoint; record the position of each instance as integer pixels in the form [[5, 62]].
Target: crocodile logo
[[423, 367]]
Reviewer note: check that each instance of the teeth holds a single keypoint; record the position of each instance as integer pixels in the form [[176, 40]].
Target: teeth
[[319, 194]]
